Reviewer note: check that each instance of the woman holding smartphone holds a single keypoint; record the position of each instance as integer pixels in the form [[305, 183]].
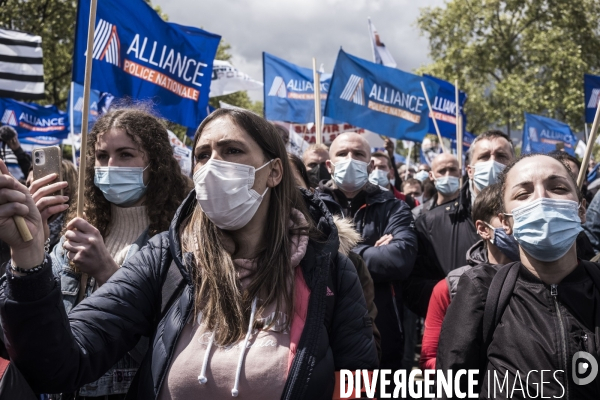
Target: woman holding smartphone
[[268, 307], [133, 188]]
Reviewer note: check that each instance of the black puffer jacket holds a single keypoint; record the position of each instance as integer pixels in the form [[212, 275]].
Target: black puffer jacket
[[377, 214], [541, 328], [57, 354]]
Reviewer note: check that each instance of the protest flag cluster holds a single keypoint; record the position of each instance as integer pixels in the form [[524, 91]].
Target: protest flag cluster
[[137, 55]]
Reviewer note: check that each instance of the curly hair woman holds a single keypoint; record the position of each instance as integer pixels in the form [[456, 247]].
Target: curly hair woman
[[133, 188], [267, 306]]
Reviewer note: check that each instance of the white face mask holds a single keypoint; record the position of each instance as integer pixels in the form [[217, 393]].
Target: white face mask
[[224, 192]]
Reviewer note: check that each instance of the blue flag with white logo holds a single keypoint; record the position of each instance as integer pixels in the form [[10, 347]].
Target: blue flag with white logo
[[591, 88], [76, 107], [543, 135], [444, 108], [289, 92], [138, 55], [381, 99], [30, 119]]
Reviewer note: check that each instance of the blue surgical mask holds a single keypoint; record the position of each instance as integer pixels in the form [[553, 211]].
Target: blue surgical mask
[[379, 177], [350, 175], [487, 173], [547, 228], [506, 243], [422, 175], [447, 185], [122, 186]]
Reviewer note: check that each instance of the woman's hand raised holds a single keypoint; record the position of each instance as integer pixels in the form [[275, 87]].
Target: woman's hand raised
[[47, 202], [15, 200], [85, 247]]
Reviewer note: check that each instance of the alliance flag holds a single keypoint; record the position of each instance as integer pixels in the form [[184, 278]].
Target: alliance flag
[[381, 99], [30, 119], [543, 135], [444, 108], [138, 55], [289, 92], [591, 88]]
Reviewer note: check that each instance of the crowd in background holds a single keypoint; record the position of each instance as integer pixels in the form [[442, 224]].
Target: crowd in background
[[266, 272]]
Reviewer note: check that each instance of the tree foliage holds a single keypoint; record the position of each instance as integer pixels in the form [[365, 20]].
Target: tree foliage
[[515, 56], [54, 21]]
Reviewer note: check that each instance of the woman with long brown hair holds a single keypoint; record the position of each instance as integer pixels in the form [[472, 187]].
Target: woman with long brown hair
[[134, 186], [265, 306]]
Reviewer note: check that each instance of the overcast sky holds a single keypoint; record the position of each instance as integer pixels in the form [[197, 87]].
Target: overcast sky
[[297, 30]]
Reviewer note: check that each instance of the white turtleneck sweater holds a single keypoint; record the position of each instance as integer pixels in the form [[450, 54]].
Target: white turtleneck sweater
[[125, 227]]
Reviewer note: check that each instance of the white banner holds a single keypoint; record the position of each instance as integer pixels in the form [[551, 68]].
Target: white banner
[[227, 79], [381, 55]]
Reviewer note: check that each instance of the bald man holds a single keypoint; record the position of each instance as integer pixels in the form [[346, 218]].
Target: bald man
[[445, 231], [389, 245]]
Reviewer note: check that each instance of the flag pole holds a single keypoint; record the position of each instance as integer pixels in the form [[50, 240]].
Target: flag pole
[[589, 147], [371, 39], [459, 136], [87, 83], [437, 130], [408, 160], [317, 90], [86, 107], [72, 135]]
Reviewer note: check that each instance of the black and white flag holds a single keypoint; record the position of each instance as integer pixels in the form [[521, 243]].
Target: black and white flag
[[21, 68]]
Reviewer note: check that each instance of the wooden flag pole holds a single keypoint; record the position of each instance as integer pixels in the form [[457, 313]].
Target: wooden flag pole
[[437, 130], [317, 90], [459, 132], [588, 149], [87, 83]]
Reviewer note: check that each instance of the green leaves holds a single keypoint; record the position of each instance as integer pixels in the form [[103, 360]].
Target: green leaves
[[514, 56], [54, 21]]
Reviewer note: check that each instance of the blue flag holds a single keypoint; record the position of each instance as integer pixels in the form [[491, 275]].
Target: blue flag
[[543, 135], [381, 99], [591, 88], [289, 92], [444, 108], [467, 141], [76, 108], [137, 54], [30, 119]]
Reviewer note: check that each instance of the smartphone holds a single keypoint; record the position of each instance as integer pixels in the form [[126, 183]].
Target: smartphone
[[46, 161]]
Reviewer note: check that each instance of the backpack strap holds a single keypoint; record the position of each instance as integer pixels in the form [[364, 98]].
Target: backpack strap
[[498, 297], [593, 270]]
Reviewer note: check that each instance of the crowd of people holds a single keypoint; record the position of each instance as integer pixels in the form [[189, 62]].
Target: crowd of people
[[265, 273]]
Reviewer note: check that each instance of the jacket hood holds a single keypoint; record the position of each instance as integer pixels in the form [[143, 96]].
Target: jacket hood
[[348, 235], [477, 254], [318, 212]]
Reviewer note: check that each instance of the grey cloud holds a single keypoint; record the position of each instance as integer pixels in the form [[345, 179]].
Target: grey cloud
[[297, 30]]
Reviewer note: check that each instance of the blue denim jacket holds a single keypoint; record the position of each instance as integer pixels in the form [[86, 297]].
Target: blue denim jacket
[[118, 379]]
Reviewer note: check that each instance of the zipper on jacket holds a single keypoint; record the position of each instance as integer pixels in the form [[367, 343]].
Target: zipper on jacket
[[554, 294], [583, 341]]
